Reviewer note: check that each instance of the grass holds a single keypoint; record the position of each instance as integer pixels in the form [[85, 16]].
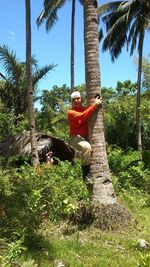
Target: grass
[[95, 248], [92, 248]]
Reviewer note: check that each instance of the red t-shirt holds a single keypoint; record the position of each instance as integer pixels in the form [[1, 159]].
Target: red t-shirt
[[78, 119]]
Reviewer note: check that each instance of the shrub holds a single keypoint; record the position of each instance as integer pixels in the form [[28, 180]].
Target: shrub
[[128, 169], [29, 196]]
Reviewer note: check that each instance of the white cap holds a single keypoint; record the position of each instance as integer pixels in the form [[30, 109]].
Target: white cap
[[75, 94]]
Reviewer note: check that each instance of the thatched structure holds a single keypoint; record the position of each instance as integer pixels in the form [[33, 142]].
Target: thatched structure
[[20, 145]]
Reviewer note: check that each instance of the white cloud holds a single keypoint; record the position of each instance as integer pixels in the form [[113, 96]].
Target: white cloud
[[12, 35]]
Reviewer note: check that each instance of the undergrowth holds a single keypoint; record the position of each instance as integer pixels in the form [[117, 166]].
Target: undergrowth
[[36, 207]]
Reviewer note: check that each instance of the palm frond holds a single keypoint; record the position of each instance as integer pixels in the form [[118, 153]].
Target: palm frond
[[34, 61], [49, 5], [134, 41], [137, 35], [10, 62], [81, 2], [51, 20], [40, 73], [100, 35], [109, 7], [40, 18], [49, 13], [115, 17], [116, 37], [2, 76], [124, 25], [117, 29], [116, 48], [135, 7], [131, 32]]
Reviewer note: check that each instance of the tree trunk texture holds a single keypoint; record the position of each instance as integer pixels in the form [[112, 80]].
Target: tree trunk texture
[[34, 150], [103, 193], [72, 44], [138, 99]]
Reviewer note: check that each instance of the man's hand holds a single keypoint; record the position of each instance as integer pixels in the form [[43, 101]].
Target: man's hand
[[98, 101]]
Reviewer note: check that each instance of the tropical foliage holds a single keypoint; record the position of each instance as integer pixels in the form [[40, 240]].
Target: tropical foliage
[[13, 90], [13, 86], [119, 116], [47, 217], [49, 13], [40, 207], [54, 105], [126, 23]]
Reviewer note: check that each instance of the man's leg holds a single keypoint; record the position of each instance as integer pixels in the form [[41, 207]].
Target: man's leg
[[85, 150], [83, 147]]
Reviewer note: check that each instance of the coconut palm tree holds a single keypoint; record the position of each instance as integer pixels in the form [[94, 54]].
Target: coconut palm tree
[[49, 15], [103, 192], [34, 148], [126, 23]]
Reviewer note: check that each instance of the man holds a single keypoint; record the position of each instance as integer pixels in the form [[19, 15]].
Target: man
[[78, 118], [49, 158]]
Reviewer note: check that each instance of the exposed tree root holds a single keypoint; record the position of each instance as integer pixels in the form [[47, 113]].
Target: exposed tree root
[[110, 216], [105, 217]]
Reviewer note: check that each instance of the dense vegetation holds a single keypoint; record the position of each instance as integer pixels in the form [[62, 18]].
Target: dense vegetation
[[46, 215], [49, 210]]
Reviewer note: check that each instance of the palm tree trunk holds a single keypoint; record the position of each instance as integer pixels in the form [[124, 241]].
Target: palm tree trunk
[[103, 192], [34, 151], [72, 44], [138, 99]]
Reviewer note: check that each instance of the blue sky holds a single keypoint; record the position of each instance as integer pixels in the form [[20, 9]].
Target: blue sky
[[54, 47]]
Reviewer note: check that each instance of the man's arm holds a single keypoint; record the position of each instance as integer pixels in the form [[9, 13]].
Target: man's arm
[[82, 116], [86, 114]]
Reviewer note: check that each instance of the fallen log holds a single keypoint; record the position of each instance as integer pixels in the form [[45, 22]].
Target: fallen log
[[20, 145]]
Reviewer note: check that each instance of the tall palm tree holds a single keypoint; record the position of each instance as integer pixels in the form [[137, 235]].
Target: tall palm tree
[[34, 148], [13, 90], [49, 15], [126, 23], [103, 192]]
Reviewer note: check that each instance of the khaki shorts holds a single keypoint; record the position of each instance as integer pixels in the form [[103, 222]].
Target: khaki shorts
[[84, 148]]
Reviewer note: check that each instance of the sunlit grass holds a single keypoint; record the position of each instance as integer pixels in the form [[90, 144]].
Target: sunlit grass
[[95, 248]]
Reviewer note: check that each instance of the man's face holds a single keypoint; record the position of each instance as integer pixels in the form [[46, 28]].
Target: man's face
[[76, 102]]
